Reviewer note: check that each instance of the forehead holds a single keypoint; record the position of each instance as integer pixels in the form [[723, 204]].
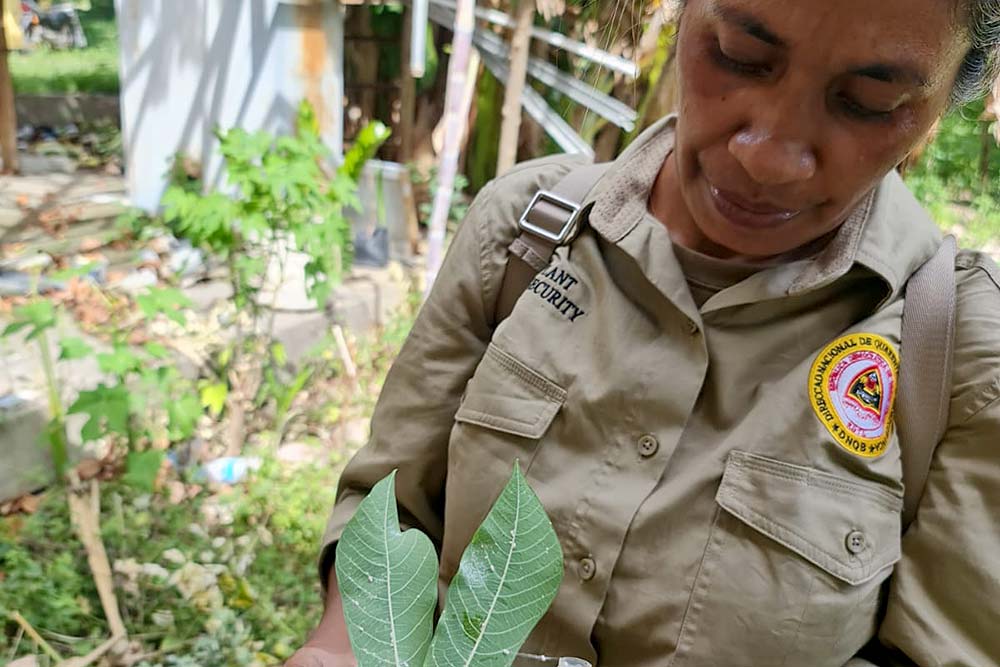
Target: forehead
[[858, 31]]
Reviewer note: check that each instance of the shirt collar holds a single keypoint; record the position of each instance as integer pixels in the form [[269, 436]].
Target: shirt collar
[[888, 233]]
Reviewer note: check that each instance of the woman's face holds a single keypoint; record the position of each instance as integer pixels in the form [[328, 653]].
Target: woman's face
[[791, 112]]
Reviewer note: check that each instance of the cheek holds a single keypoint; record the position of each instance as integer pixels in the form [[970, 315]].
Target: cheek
[[701, 80], [870, 152]]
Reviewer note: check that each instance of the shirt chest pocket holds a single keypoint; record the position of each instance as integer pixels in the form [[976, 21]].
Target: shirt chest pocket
[[505, 411], [507, 397], [794, 567]]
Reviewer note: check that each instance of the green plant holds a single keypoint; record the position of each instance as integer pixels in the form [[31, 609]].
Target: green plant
[[282, 200], [148, 400], [506, 580], [146, 391], [37, 317], [255, 543], [459, 202]]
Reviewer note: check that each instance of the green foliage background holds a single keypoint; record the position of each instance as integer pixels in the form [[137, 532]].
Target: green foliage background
[[90, 70]]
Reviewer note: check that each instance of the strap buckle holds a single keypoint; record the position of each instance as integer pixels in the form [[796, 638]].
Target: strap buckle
[[558, 237]]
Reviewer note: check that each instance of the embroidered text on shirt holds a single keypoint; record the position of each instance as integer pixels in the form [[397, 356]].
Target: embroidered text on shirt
[[550, 292]]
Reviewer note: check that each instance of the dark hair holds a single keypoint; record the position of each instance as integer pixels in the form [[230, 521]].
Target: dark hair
[[981, 66]]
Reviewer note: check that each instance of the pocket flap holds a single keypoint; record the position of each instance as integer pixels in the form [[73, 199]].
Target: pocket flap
[[507, 396], [849, 528]]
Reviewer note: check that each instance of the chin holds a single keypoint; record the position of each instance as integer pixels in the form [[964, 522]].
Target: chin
[[745, 241]]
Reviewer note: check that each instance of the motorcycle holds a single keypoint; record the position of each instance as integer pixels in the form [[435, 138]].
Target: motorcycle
[[58, 26]]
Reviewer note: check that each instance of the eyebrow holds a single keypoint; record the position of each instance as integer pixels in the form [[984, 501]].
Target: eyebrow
[[750, 24], [901, 73]]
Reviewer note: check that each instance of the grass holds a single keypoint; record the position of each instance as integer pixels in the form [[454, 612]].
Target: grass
[[92, 70], [223, 576]]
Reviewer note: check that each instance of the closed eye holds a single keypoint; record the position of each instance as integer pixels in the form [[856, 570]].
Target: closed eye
[[737, 66], [854, 108]]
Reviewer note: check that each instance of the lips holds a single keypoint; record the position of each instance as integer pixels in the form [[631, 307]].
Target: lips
[[744, 212]]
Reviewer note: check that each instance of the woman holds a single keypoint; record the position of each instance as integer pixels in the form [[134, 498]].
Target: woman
[[710, 508]]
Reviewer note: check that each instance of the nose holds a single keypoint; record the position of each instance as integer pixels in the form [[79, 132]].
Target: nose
[[772, 159]]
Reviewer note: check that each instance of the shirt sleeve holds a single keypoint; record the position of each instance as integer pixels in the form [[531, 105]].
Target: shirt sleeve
[[942, 604], [413, 416]]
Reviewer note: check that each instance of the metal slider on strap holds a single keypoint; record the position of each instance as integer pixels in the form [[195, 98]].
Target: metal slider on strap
[[564, 206]]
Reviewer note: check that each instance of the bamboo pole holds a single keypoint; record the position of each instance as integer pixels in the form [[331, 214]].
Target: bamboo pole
[[454, 126]]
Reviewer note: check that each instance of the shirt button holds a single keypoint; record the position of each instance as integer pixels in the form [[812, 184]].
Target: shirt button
[[648, 446], [856, 542], [692, 327], [587, 568]]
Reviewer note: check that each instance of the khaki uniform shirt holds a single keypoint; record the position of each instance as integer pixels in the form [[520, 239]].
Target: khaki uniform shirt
[[724, 479]]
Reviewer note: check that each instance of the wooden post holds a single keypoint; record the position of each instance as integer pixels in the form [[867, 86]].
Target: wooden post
[[8, 119], [408, 95], [520, 43]]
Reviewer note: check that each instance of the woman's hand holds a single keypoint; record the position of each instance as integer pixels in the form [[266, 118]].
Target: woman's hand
[[314, 656], [329, 645]]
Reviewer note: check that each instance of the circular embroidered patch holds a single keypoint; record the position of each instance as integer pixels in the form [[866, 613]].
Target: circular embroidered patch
[[852, 388]]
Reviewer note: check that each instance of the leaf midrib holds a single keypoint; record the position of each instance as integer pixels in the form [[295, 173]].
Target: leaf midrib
[[503, 578], [388, 580]]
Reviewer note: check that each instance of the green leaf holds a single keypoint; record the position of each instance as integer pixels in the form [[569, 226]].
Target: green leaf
[[120, 361], [13, 328], [506, 580], [142, 468], [108, 408], [38, 315], [73, 348], [366, 144], [388, 580], [164, 301], [279, 354], [213, 397], [182, 415], [156, 350], [288, 394], [225, 356]]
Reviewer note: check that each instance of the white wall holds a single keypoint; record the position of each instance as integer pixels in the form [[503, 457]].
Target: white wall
[[190, 66]]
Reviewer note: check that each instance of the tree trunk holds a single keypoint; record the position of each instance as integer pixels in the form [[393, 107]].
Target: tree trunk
[[455, 118], [8, 121], [520, 44]]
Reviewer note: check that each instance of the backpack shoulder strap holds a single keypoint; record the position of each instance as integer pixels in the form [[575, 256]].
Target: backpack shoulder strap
[[551, 220], [925, 375]]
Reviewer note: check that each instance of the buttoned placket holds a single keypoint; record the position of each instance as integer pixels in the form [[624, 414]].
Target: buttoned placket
[[636, 462]]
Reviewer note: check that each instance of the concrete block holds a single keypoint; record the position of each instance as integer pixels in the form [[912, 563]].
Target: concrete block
[[57, 110], [27, 465]]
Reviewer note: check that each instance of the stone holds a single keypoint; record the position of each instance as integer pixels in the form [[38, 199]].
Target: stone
[[31, 263], [39, 165], [18, 283], [27, 462], [185, 260], [207, 294], [138, 281]]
